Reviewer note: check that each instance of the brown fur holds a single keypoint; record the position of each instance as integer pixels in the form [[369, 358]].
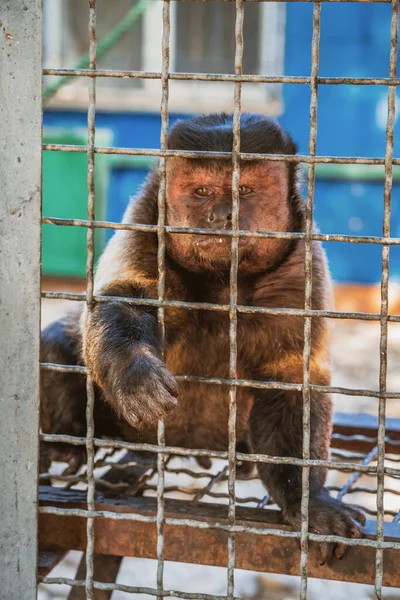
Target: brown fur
[[121, 343]]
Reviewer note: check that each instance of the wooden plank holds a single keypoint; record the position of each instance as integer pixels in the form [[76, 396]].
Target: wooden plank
[[204, 546]]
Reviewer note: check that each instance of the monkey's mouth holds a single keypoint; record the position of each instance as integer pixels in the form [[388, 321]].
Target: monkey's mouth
[[217, 245]]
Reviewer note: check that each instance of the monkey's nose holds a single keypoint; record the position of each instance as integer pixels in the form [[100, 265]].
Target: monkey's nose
[[221, 217]]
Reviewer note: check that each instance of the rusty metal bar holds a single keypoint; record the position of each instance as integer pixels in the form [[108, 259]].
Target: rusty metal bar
[[308, 301], [165, 57], [233, 294], [295, 158], [20, 204], [89, 299], [322, 237], [299, 312], [233, 529], [230, 78], [143, 510], [131, 589], [131, 538], [394, 49], [261, 385]]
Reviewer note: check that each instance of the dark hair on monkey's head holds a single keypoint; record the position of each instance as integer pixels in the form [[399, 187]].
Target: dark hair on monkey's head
[[213, 133]]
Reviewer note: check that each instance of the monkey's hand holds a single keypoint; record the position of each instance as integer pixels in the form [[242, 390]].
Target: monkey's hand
[[142, 391], [329, 516]]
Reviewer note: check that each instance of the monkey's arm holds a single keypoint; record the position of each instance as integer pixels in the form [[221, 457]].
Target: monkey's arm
[[277, 429], [121, 346]]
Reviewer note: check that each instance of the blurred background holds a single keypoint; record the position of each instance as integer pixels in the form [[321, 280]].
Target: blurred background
[[355, 42]]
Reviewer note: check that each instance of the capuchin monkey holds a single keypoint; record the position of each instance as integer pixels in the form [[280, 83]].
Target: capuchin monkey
[[120, 344]]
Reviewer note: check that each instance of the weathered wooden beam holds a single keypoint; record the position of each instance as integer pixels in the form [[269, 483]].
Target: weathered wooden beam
[[204, 546]]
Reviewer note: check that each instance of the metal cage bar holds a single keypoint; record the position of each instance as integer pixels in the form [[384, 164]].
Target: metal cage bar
[[165, 55], [232, 78], [330, 314], [20, 207], [295, 158], [261, 385], [89, 298], [394, 48], [233, 293], [321, 237], [308, 299]]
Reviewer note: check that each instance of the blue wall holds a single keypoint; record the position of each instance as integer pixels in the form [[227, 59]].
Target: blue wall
[[355, 42], [351, 122]]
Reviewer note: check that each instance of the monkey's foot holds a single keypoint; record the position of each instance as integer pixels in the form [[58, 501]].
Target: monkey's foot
[[75, 457], [329, 516]]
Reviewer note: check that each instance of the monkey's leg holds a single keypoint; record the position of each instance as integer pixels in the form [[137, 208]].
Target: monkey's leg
[[122, 354], [62, 395], [244, 469], [276, 429]]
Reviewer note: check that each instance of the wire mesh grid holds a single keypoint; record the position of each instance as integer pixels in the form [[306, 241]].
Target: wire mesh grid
[[199, 485], [370, 465]]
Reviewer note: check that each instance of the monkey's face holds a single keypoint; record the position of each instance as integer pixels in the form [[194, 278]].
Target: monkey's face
[[199, 194]]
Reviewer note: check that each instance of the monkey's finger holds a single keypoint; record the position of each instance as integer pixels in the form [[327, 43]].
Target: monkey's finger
[[170, 401], [355, 531], [325, 552], [348, 528], [340, 551], [356, 514], [158, 394], [173, 389], [170, 383]]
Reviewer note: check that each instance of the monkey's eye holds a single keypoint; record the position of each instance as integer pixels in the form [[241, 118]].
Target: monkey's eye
[[203, 191], [244, 190]]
